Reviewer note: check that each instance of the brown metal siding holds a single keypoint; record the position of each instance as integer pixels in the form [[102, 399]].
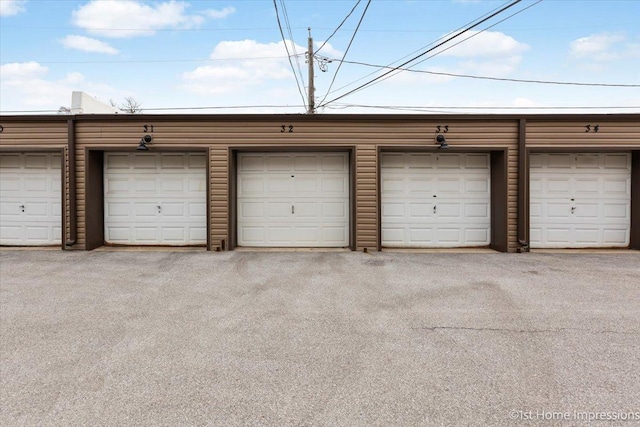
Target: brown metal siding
[[574, 133], [218, 194], [366, 197]]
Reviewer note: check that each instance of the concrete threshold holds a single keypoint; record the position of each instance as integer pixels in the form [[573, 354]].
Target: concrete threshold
[[441, 250], [245, 249], [150, 249], [585, 251]]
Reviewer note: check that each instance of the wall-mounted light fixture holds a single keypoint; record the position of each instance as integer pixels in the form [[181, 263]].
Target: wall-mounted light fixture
[[142, 145], [440, 139]]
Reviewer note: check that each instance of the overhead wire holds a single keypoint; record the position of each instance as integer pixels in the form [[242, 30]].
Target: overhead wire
[[502, 79], [469, 28], [284, 41], [422, 48], [293, 45], [338, 28], [353, 36]]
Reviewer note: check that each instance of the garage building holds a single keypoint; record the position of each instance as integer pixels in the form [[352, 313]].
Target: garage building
[[364, 182]]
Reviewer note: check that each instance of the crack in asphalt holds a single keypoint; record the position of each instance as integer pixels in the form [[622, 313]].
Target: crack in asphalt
[[522, 331]]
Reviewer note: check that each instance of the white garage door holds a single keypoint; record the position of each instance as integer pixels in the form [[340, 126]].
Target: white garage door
[[155, 199], [580, 200], [30, 199], [435, 200], [293, 199]]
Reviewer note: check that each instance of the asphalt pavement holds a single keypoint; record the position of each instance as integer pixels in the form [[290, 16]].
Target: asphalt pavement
[[171, 338]]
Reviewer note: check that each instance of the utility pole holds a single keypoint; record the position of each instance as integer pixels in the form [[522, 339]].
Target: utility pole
[[312, 88]]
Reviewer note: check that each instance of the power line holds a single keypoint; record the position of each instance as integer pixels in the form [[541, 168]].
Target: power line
[[502, 79], [336, 30], [293, 45], [353, 36], [158, 60], [427, 51], [230, 107], [476, 33], [339, 106], [275, 5]]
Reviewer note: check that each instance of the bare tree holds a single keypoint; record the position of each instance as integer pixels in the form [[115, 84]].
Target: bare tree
[[130, 105]]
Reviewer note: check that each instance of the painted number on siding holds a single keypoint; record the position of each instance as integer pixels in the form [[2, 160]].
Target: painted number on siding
[[442, 129], [592, 128], [285, 128], [147, 128]]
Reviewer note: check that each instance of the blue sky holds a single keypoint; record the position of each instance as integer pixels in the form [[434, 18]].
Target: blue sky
[[177, 55]]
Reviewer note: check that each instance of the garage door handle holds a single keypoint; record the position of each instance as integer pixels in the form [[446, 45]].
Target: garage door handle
[[159, 208], [435, 208], [21, 208], [293, 209], [573, 209]]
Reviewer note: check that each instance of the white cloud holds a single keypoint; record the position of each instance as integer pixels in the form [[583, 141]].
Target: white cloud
[[247, 64], [87, 44], [130, 18], [489, 44], [599, 47], [220, 14], [11, 7], [327, 50], [26, 86]]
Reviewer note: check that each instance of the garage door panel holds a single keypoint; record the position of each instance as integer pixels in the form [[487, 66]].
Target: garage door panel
[[393, 210], [332, 163], [476, 210], [449, 210], [178, 210], [172, 185], [280, 184], [615, 237], [197, 209], [438, 206], [448, 186], [617, 187], [476, 161], [173, 235], [279, 163], [145, 161], [334, 210], [37, 161], [302, 195], [478, 236], [172, 161], [144, 210], [616, 211], [281, 235], [305, 186], [30, 199], [557, 161], [279, 210], [449, 161], [155, 198], [419, 210], [335, 186], [617, 161], [588, 161], [302, 163], [122, 209], [250, 185], [594, 197], [476, 186]]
